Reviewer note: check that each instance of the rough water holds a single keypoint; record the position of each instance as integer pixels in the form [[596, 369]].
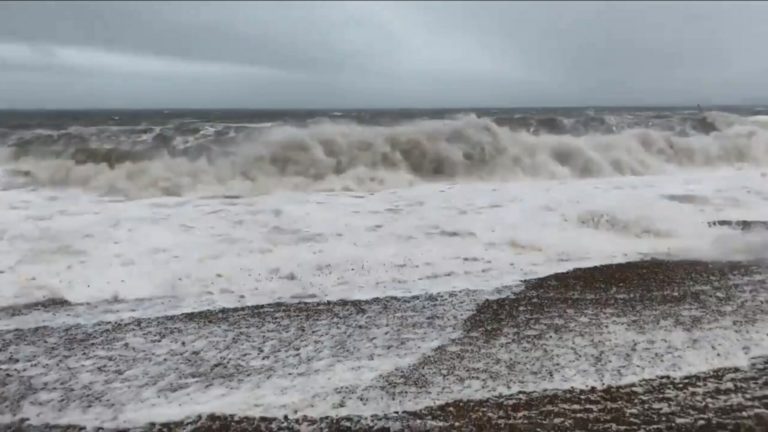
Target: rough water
[[157, 265], [187, 156]]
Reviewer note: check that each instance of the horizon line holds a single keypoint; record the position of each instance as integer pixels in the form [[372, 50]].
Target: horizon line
[[746, 105]]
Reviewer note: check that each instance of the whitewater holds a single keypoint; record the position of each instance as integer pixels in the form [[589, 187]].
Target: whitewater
[[340, 155], [297, 245], [336, 209]]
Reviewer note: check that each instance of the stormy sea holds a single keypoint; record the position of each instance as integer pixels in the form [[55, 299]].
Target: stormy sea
[[599, 269]]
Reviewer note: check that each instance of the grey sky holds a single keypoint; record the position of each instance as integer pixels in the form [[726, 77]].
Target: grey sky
[[387, 54]]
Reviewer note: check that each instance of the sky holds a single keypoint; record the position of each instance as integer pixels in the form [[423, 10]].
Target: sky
[[381, 54]]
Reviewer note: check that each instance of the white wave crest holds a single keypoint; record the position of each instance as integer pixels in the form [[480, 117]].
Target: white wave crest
[[330, 155]]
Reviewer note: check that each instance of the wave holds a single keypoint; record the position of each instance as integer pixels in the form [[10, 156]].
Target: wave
[[344, 155], [55, 139]]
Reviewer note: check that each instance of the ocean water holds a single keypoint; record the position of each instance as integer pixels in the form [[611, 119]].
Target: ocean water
[[141, 214], [278, 205]]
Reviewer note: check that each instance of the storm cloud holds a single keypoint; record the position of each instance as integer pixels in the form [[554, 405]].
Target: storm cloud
[[380, 54]]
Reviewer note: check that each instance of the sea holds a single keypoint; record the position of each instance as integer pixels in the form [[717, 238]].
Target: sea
[[110, 216]]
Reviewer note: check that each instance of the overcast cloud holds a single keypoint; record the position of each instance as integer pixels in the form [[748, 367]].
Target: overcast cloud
[[380, 54]]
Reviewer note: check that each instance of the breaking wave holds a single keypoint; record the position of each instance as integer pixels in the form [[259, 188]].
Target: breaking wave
[[346, 155]]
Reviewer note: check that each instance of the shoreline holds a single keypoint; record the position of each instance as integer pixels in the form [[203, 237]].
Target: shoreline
[[653, 319]]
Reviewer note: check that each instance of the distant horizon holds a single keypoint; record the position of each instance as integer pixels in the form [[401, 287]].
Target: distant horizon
[[432, 108]]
